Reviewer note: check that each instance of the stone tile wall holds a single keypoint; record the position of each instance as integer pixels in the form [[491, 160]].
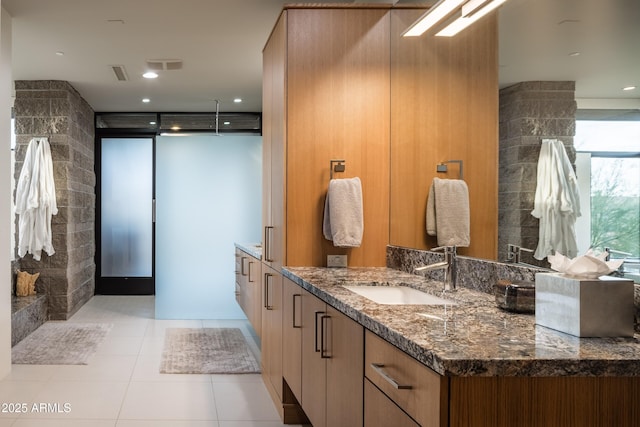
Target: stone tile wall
[[56, 110], [529, 112]]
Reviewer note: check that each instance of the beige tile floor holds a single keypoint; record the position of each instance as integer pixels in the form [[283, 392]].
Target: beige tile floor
[[122, 387]]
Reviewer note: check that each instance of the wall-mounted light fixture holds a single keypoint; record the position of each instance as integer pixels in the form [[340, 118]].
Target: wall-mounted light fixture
[[464, 13]]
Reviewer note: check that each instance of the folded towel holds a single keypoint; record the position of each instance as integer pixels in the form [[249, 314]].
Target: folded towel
[[448, 215], [343, 221]]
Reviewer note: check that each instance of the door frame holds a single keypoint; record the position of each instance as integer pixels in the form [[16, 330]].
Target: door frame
[[121, 285]]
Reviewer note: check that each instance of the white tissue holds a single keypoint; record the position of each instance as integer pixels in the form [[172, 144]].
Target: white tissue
[[588, 266]]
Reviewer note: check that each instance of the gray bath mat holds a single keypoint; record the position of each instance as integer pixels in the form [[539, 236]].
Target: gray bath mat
[[207, 351], [60, 343]]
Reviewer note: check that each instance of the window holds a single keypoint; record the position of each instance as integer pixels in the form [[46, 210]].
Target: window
[[609, 152]]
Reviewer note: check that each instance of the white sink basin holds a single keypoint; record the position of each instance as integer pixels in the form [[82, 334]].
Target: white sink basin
[[396, 295]]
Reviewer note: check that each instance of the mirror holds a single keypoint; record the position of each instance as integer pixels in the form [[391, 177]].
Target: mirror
[[515, 224], [443, 97]]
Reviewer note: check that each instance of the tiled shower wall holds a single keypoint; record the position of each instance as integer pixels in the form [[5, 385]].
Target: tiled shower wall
[[54, 109], [529, 112]]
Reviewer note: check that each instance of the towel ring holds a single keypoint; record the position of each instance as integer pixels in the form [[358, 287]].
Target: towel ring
[[442, 167], [336, 165]]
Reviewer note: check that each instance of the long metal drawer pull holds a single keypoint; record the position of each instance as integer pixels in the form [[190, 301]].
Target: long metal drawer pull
[[242, 266], [318, 349], [267, 282], [323, 347], [294, 311], [249, 272], [379, 368], [267, 240]]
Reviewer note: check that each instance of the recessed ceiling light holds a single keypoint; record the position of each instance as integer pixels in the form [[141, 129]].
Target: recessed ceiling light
[[150, 75], [60, 53], [146, 100], [629, 88], [237, 100], [574, 54]]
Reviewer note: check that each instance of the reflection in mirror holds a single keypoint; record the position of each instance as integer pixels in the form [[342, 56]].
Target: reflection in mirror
[[608, 169]]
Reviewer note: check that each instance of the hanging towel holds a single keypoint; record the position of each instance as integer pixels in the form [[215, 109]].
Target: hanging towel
[[23, 209], [36, 200], [556, 201], [447, 215], [343, 221]]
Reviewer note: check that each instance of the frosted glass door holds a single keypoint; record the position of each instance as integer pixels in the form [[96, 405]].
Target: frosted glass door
[[126, 215], [209, 196]]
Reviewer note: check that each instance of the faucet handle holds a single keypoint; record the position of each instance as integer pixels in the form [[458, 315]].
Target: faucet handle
[[514, 252], [445, 249]]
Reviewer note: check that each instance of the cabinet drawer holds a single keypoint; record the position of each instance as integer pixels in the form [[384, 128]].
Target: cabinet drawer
[[379, 410], [415, 388]]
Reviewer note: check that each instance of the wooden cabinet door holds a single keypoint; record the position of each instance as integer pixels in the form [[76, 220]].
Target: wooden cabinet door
[[254, 295], [272, 330], [380, 411], [241, 277], [314, 378], [273, 115], [345, 370], [418, 390], [292, 336]]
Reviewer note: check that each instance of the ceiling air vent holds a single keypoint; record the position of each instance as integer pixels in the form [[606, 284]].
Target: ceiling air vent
[[164, 64], [119, 72]]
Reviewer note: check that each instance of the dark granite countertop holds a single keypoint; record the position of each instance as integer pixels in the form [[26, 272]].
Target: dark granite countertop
[[253, 249], [473, 337]]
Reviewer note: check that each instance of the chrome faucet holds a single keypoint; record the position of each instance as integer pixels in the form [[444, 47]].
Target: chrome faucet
[[514, 253], [448, 265]]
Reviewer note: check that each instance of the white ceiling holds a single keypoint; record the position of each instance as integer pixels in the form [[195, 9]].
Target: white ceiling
[[220, 42]]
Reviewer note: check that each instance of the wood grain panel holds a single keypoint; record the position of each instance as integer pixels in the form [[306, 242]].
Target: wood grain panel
[[543, 402], [426, 399], [292, 336], [337, 107], [444, 106], [380, 411], [314, 370], [345, 374]]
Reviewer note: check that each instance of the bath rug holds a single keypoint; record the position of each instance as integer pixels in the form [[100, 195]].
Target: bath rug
[[207, 351], [60, 343]]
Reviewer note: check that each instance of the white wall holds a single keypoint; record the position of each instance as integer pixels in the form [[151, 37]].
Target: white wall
[[208, 196], [5, 192]]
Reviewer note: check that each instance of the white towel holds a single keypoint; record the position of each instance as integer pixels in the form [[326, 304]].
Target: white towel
[[448, 215], [343, 221]]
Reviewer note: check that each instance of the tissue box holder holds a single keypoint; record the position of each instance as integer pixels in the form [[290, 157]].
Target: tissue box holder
[[585, 307]]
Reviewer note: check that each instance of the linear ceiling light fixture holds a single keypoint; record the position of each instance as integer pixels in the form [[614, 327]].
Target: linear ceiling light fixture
[[466, 13]]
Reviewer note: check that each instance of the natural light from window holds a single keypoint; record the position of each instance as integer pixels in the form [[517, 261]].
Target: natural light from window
[[612, 149]]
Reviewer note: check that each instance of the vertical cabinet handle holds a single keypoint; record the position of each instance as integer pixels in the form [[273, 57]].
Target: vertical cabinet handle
[[294, 311], [249, 272], [323, 334], [267, 243], [267, 286], [242, 260], [318, 348]]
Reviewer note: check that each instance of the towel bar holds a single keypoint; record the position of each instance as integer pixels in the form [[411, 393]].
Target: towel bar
[[442, 167]]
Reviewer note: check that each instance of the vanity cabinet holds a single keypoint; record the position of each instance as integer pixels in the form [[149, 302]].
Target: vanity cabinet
[[380, 411], [414, 388], [272, 331], [292, 336], [332, 357], [248, 288]]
